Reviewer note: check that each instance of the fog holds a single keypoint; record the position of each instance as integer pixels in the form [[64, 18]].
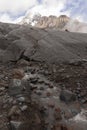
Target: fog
[[76, 26]]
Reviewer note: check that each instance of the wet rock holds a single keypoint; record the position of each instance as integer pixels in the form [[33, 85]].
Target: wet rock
[[15, 125], [67, 96], [18, 73]]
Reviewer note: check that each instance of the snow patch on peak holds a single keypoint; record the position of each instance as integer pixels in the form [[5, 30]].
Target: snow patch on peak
[[31, 19]]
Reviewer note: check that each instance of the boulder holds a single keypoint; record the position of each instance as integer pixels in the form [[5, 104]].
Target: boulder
[[67, 96]]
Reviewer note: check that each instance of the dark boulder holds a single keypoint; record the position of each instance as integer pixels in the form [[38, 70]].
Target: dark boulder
[[67, 96]]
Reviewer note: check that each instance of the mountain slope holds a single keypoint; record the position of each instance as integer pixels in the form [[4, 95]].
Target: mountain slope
[[43, 76], [47, 45]]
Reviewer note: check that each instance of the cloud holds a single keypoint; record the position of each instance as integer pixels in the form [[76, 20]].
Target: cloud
[[77, 9], [14, 10], [16, 6], [10, 10], [49, 7]]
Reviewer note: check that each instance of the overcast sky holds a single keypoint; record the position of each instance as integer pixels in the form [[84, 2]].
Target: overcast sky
[[15, 10]]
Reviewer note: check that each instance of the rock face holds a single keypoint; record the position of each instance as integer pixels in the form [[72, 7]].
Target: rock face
[[42, 45], [53, 22]]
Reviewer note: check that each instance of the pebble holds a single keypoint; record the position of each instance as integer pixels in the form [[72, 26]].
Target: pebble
[[24, 108], [57, 114], [38, 92], [48, 94], [2, 89], [41, 88], [14, 111], [18, 73], [33, 88], [15, 125], [51, 104], [21, 99]]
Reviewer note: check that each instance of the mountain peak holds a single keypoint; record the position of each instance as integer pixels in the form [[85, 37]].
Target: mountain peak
[[45, 21]]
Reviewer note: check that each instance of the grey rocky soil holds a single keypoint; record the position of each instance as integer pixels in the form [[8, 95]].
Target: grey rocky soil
[[43, 82]]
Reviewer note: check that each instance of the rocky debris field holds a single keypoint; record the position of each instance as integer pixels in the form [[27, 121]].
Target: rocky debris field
[[35, 96], [43, 82]]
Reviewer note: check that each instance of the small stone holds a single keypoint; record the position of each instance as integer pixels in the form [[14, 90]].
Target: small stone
[[58, 109], [48, 94], [68, 115], [51, 104], [37, 118], [15, 125], [2, 89], [50, 86], [18, 73], [24, 108], [38, 92], [57, 114], [41, 88], [40, 81], [67, 96], [21, 99], [23, 62], [78, 88], [15, 87], [14, 111], [33, 88], [60, 127], [34, 80], [84, 101]]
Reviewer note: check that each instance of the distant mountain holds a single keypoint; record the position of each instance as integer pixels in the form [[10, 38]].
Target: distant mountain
[[46, 22], [63, 22], [76, 26]]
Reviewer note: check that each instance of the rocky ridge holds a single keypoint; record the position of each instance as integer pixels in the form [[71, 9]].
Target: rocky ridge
[[46, 22], [62, 22]]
